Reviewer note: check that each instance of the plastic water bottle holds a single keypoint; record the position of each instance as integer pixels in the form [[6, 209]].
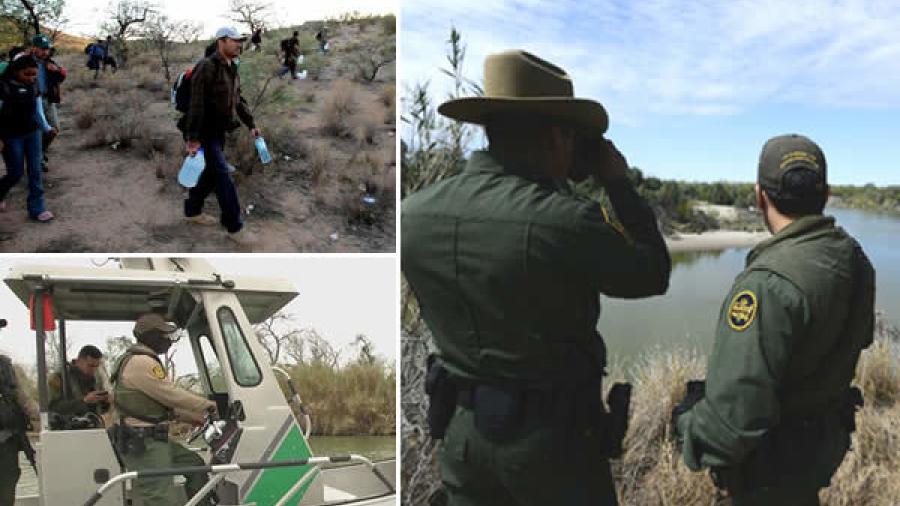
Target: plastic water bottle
[[191, 169], [263, 151]]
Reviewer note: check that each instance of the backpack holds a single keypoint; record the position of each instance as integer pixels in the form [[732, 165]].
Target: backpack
[[97, 51], [181, 91], [88, 48], [286, 45]]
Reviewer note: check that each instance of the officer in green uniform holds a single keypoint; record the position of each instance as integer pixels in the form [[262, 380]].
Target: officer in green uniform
[[145, 401], [15, 414], [86, 393], [778, 410], [507, 265]]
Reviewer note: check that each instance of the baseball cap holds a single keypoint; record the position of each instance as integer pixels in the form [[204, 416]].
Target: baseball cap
[[42, 41], [787, 153], [152, 321], [229, 32]]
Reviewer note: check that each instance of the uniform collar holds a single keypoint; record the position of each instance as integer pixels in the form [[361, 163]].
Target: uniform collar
[[484, 162], [143, 347], [804, 225]]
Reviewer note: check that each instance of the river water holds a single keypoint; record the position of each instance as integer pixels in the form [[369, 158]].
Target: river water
[[687, 314]]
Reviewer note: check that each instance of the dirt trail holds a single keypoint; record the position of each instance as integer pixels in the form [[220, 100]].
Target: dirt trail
[[122, 200]]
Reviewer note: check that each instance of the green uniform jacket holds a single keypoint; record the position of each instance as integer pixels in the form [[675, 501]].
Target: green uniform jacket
[[79, 386], [508, 268], [787, 342]]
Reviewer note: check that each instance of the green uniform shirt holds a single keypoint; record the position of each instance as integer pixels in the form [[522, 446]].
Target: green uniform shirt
[[788, 338], [79, 386], [507, 269]]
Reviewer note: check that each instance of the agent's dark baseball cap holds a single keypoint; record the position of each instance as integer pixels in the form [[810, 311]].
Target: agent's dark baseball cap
[[787, 153], [152, 321]]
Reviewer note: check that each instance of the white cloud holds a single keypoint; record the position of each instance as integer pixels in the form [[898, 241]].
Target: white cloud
[[670, 57]]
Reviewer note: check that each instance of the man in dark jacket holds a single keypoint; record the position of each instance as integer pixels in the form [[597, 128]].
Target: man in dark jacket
[[84, 391], [291, 49], [507, 265], [215, 101], [775, 420]]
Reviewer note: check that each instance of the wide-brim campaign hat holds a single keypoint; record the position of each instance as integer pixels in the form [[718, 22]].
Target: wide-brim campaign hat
[[517, 81]]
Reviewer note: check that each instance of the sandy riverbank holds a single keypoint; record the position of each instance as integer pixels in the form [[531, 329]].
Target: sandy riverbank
[[714, 240]]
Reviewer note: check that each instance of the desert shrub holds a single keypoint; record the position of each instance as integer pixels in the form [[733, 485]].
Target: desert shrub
[[388, 97], [164, 164], [314, 63], [365, 125], [338, 108], [153, 142], [283, 138], [241, 151], [389, 25], [318, 161]]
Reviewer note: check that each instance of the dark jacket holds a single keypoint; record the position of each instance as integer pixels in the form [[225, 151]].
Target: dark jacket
[[18, 112], [79, 385], [55, 77], [507, 270], [215, 100], [787, 343]]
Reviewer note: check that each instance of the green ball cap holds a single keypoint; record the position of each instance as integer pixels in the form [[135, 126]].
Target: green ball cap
[[42, 41], [785, 153]]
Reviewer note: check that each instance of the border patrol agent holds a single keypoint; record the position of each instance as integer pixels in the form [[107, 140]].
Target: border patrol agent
[[15, 415], [86, 393], [507, 265], [775, 421], [145, 401]]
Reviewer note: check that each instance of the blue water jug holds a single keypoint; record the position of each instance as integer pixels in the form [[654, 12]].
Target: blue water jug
[[263, 151], [191, 169]]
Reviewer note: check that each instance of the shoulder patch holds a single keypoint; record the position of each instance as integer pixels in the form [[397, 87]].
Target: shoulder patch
[[158, 372], [613, 222], [742, 310]]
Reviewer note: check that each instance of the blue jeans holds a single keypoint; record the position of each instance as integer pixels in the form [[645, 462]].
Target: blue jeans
[[215, 178], [17, 153]]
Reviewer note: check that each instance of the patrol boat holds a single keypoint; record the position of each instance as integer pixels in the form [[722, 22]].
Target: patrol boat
[[258, 450]]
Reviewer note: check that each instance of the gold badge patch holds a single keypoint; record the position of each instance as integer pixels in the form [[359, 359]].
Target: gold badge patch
[[158, 372], [742, 310]]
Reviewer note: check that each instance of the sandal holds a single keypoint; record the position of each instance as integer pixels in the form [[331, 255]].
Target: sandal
[[44, 217]]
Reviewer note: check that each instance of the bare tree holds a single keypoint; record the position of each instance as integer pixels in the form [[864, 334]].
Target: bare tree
[[366, 350], [275, 333], [125, 16], [253, 13], [162, 33], [372, 57], [30, 15], [320, 350]]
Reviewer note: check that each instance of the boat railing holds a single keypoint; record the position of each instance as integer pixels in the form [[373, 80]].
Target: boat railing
[[219, 472]]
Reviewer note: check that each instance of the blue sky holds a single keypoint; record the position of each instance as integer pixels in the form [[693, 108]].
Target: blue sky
[[694, 88]]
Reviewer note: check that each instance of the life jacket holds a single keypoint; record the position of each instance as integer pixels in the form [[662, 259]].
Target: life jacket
[[131, 402]]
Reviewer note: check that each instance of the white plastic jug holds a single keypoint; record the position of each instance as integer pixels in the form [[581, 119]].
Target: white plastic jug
[[191, 169]]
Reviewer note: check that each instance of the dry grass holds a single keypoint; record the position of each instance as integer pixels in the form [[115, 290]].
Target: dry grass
[[389, 99], [338, 109], [282, 138], [317, 162], [365, 124], [651, 471]]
